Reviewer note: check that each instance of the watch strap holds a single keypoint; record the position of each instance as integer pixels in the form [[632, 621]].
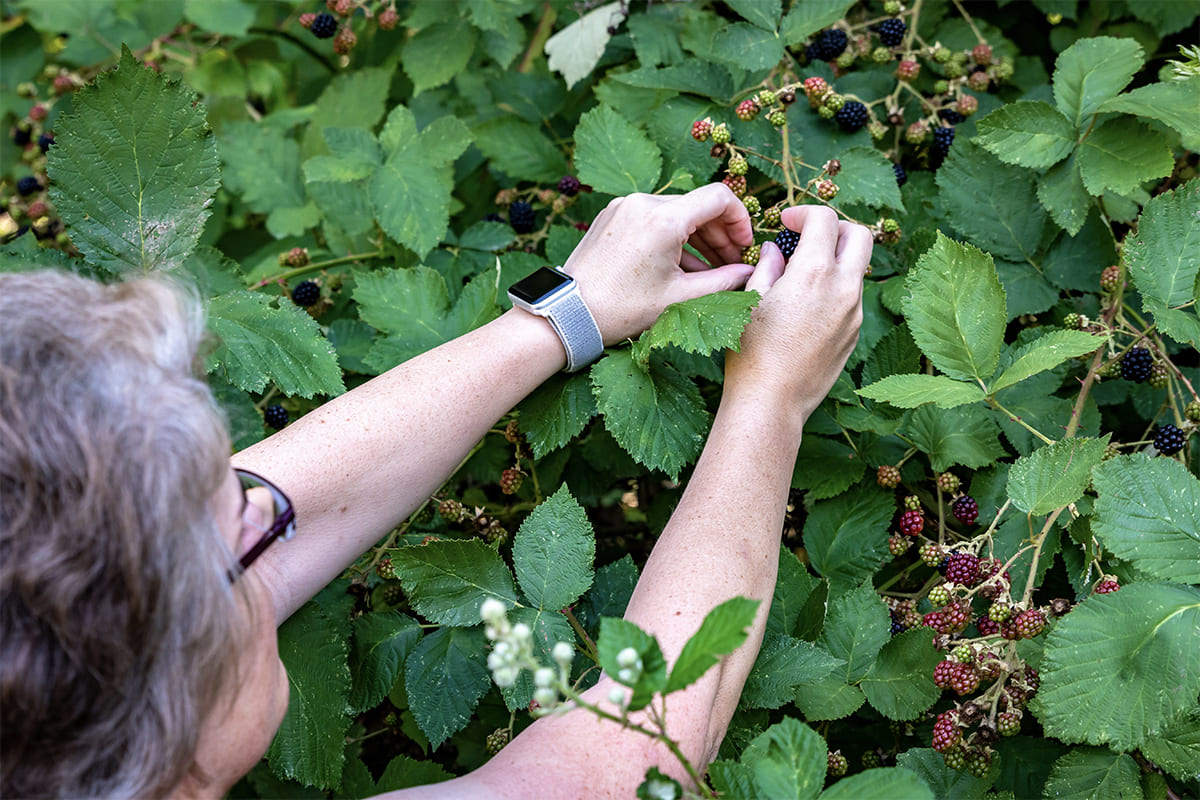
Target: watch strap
[[577, 329]]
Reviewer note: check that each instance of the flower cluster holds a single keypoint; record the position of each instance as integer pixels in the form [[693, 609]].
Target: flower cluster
[[513, 653]]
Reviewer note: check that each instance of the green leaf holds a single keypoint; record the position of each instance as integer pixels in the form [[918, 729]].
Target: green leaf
[[486, 236], [354, 99], [226, 17], [1062, 193], [1092, 773], [1122, 154], [382, 640], [829, 698], [846, 537], [615, 636], [658, 418], [964, 435], [867, 177], [722, 632], [261, 342], [1177, 103], [788, 759], [446, 675], [910, 391], [309, 745], [561, 242], [805, 19], [763, 13], [576, 49], [403, 772], [793, 586], [898, 684], [613, 156], [747, 47], [549, 627], [553, 552], [955, 309], [1177, 748], [1121, 666], [887, 783], [358, 155], [657, 785], [782, 664], [262, 165], [857, 627], [826, 467], [434, 55], [1164, 258], [447, 581], [941, 779], [1148, 513], [1055, 475], [519, 149], [1027, 133], [1091, 71], [556, 412], [412, 309], [134, 170], [1046, 352], [700, 325]]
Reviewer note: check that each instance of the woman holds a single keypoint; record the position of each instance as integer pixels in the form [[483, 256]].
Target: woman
[[139, 593]]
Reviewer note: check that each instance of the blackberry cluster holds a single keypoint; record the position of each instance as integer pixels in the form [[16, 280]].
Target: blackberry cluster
[[965, 509], [306, 293], [28, 185], [963, 568], [324, 26], [386, 569], [787, 241], [1169, 440], [1107, 586], [901, 175], [828, 45], [521, 217], [891, 31], [836, 764], [945, 731], [852, 115], [942, 139], [275, 416], [1136, 365], [569, 185]]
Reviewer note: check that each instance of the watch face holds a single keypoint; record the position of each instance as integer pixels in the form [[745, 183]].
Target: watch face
[[541, 283]]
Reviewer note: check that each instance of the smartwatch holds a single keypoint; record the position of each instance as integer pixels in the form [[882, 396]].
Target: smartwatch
[[553, 294]]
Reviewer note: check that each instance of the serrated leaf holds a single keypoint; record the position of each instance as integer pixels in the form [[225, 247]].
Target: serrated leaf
[[846, 537], [782, 664], [613, 156], [1148, 513], [615, 636], [1177, 749], [1028, 133], [793, 586], [134, 170], [1121, 666], [519, 149], [357, 156], [1046, 352], [826, 467], [700, 325], [887, 783], [353, 99], [657, 417], [226, 17], [1091, 71], [867, 177], [447, 581], [548, 627], [1163, 259], [553, 552], [788, 759], [941, 779], [829, 698], [898, 684], [805, 19], [1055, 475], [309, 745], [434, 55], [745, 46], [910, 391], [856, 628], [382, 640], [446, 675], [261, 342], [1092, 773], [763, 13], [965, 435], [1177, 103], [1121, 154], [403, 772], [576, 49], [955, 309], [1062, 193], [722, 631], [556, 412]]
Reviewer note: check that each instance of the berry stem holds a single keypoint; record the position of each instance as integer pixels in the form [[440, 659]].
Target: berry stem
[[587, 640], [991, 401], [1037, 553], [540, 35], [970, 22], [316, 267], [303, 45]]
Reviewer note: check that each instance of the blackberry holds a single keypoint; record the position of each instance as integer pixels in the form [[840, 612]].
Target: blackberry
[[493, 217], [1136, 365], [828, 45], [306, 293], [44, 141], [836, 764], [787, 241], [324, 26], [569, 185], [951, 116], [901, 175], [28, 185], [1107, 586], [945, 731], [942, 139], [891, 31], [965, 509], [275, 416], [912, 522], [1169, 440], [21, 136], [521, 217], [852, 115], [897, 627], [963, 568], [1030, 623]]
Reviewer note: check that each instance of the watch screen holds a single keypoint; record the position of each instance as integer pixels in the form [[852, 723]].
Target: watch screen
[[538, 285]]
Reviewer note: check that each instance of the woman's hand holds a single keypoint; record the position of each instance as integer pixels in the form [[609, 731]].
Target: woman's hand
[[807, 323], [631, 264]]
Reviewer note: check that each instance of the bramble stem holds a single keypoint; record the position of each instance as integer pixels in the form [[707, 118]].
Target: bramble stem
[[316, 266], [1045, 440]]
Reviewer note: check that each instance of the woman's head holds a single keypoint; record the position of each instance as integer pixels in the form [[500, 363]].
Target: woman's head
[[118, 626]]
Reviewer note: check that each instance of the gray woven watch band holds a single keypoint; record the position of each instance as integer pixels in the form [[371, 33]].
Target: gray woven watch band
[[574, 324]]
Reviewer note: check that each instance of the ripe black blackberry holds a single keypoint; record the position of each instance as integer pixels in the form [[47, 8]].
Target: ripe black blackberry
[[852, 115], [787, 241], [44, 141], [1168, 440], [901, 175], [275, 416], [324, 26], [951, 116], [521, 217], [891, 31], [1137, 364], [21, 136], [829, 44], [942, 139], [569, 185], [28, 185], [306, 293]]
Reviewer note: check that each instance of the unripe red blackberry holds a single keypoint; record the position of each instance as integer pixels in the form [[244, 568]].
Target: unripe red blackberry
[[965, 509], [897, 545], [965, 679], [702, 129], [510, 480], [1030, 623], [451, 510], [967, 105], [1008, 723], [955, 617], [933, 620], [987, 627], [982, 54], [932, 554], [747, 110], [945, 732], [385, 569], [912, 523], [496, 740], [815, 87], [827, 190], [837, 764], [1111, 278], [908, 69], [388, 19], [963, 568], [888, 477], [948, 482], [736, 184], [306, 20], [1107, 586]]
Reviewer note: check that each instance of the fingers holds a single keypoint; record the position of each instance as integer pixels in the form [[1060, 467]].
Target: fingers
[[818, 229], [717, 224], [854, 246], [718, 279], [690, 263], [769, 268]]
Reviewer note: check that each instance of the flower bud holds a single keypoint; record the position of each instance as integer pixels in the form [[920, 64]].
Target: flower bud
[[627, 657], [545, 697], [492, 610], [543, 677], [616, 696], [521, 633], [563, 654]]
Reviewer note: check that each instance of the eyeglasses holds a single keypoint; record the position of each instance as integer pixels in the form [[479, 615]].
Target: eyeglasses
[[283, 526]]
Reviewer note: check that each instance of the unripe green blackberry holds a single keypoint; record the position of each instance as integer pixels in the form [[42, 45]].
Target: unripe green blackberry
[[752, 205], [837, 764], [954, 70], [892, 7], [1008, 723], [766, 98], [897, 545], [385, 569], [916, 132], [912, 502], [942, 54], [939, 595], [738, 165], [978, 763], [1072, 321], [871, 760], [721, 135], [1004, 70], [451, 510], [752, 254], [955, 759], [1158, 376], [845, 60], [881, 55], [888, 477], [393, 594], [825, 112], [1111, 450], [496, 740], [772, 217], [1000, 611], [778, 118], [948, 482], [931, 554], [941, 86], [963, 654], [834, 100], [1192, 411], [877, 130]]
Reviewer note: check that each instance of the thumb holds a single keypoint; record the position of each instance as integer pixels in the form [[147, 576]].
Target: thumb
[[768, 270], [706, 281]]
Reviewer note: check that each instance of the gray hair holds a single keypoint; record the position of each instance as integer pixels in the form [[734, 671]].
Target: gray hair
[[118, 625]]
